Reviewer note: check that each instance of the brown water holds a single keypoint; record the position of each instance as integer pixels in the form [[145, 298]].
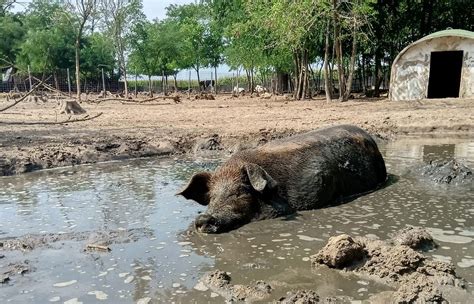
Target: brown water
[[157, 261]]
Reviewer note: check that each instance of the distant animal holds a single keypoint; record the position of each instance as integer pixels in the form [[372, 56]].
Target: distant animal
[[206, 84], [238, 90], [260, 89], [303, 172]]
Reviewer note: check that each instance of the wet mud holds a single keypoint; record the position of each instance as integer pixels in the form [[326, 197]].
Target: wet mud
[[310, 297], [23, 157], [220, 283], [413, 237], [60, 224], [94, 239], [415, 277], [14, 269], [450, 172]]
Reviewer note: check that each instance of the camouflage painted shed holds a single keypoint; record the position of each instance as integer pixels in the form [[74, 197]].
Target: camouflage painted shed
[[439, 65]]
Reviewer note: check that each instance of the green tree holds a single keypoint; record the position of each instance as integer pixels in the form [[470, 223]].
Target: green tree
[[49, 43], [191, 20], [156, 49], [119, 17], [11, 36], [80, 11], [97, 53]]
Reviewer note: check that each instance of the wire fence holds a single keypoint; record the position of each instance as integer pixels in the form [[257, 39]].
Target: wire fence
[[64, 80]]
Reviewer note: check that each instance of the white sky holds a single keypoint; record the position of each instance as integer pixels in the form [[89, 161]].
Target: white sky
[[157, 8]]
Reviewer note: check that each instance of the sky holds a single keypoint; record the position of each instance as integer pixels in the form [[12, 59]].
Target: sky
[[157, 8]]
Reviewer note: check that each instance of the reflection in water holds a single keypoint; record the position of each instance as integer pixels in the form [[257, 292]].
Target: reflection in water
[[437, 152], [165, 264]]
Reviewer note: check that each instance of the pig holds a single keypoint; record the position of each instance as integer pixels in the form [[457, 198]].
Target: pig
[[303, 172]]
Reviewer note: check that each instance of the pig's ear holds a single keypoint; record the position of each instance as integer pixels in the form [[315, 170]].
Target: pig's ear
[[198, 188], [259, 178]]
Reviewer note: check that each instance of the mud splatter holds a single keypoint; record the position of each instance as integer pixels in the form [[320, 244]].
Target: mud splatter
[[416, 278]]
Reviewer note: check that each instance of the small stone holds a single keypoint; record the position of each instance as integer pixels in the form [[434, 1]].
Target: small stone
[[65, 284], [144, 301], [201, 287], [129, 279]]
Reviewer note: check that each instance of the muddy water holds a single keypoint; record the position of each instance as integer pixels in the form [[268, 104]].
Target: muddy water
[[130, 206]]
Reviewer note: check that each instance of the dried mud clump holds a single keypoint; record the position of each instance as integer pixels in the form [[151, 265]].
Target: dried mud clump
[[204, 96], [414, 237], [13, 269], [212, 143], [415, 277], [219, 282], [446, 172], [311, 297], [340, 251], [301, 297], [30, 242]]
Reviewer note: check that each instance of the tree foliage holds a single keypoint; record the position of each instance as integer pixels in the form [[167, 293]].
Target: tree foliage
[[283, 41]]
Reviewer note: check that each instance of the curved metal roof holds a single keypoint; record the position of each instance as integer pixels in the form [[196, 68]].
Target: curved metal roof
[[446, 33], [440, 34], [452, 32]]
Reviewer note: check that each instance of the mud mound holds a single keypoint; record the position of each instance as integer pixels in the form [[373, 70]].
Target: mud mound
[[219, 282], [32, 241], [311, 297], [446, 172], [81, 151], [340, 251], [414, 237], [12, 269], [212, 143], [416, 278], [204, 96], [301, 297]]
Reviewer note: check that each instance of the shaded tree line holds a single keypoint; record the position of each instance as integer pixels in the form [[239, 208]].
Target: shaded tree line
[[287, 43]]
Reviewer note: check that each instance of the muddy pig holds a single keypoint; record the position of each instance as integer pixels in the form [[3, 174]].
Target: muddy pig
[[302, 172]]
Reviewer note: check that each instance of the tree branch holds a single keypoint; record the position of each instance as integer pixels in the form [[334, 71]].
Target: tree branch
[[22, 98], [69, 120]]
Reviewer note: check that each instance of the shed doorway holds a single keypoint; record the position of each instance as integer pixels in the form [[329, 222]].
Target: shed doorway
[[445, 74]]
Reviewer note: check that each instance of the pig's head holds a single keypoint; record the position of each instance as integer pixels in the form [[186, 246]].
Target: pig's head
[[234, 195]]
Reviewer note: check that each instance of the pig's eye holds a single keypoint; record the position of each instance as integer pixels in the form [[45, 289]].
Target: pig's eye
[[246, 189]]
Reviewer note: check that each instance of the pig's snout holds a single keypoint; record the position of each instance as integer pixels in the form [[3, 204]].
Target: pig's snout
[[206, 223]]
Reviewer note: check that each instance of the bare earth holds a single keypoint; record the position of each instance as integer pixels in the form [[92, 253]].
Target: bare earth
[[225, 124]]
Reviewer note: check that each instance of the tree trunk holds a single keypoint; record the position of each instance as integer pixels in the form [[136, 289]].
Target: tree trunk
[[175, 83], [362, 68], [215, 79], [351, 65], [125, 82], [78, 71], [282, 82], [150, 86], [252, 84], [327, 87], [78, 58], [199, 77], [56, 82], [376, 80], [338, 47], [238, 76], [296, 74], [163, 89], [249, 80]]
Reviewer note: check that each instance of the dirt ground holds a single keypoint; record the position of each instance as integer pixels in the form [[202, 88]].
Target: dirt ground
[[226, 124]]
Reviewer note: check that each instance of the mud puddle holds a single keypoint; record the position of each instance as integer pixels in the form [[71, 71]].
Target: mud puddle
[[49, 219]]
